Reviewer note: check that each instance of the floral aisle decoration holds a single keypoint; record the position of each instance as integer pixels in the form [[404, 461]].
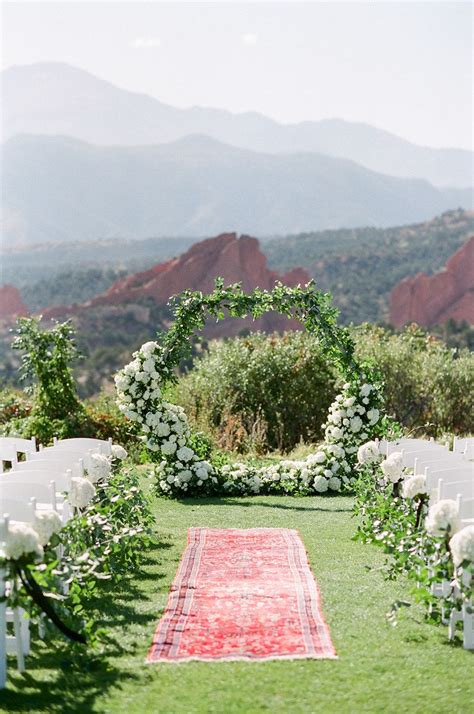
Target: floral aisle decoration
[[355, 416], [423, 542], [104, 539]]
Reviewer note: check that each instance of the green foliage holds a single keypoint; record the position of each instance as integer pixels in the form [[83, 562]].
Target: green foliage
[[427, 385], [260, 393], [46, 359]]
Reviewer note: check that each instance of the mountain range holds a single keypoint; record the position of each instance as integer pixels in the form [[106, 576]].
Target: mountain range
[[55, 98], [59, 188], [84, 160]]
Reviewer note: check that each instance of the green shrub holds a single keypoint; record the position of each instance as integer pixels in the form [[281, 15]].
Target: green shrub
[[260, 392], [428, 386]]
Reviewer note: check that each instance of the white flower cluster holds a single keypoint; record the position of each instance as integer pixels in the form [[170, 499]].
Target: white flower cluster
[[392, 467], [241, 479], [46, 524], [167, 429], [413, 486], [184, 474], [462, 546], [368, 454], [138, 384], [81, 492], [443, 518], [22, 540], [99, 468]]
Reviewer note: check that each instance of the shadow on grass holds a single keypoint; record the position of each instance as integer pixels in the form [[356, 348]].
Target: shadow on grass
[[62, 678], [255, 502]]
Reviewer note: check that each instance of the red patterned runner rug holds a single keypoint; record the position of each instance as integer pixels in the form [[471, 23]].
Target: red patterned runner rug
[[242, 595]]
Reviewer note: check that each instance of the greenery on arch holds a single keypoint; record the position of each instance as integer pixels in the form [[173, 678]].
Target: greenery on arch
[[185, 469]]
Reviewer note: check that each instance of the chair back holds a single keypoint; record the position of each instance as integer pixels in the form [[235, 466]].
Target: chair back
[[17, 510], [62, 479], [52, 465]]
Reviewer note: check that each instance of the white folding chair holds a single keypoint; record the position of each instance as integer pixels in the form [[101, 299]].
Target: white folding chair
[[438, 463], [19, 642], [21, 446], [67, 456], [56, 462], [44, 494], [459, 473], [453, 489], [7, 455], [101, 446]]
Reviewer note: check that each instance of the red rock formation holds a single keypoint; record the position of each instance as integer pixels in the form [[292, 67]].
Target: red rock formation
[[11, 304], [234, 259], [431, 300]]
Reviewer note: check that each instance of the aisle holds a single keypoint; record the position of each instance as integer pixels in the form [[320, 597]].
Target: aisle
[[409, 668]]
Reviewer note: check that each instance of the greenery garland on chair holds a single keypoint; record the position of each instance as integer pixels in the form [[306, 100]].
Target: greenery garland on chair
[[354, 417]]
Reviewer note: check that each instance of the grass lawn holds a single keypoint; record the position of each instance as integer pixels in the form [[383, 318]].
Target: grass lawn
[[409, 668]]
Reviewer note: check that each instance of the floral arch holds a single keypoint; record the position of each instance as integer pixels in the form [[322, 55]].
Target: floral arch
[[354, 417]]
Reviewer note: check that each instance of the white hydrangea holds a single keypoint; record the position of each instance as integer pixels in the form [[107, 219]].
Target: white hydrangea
[[118, 452], [414, 486], [443, 518], [46, 523], [373, 416], [185, 453], [81, 492], [320, 484], [461, 546], [334, 483], [21, 540], [99, 468], [368, 453], [392, 467]]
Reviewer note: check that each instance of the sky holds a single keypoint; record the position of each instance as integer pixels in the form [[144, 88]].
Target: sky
[[402, 66]]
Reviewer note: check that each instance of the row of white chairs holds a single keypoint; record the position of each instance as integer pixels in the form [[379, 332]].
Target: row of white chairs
[[38, 481], [449, 474]]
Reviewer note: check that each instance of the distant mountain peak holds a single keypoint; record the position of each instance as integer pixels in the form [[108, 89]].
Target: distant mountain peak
[[97, 111]]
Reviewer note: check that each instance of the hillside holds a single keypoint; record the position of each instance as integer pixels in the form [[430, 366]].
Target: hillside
[[55, 98], [361, 266], [61, 189]]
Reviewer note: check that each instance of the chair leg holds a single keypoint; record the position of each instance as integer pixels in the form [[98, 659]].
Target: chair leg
[[25, 632], [3, 632], [20, 659], [468, 628]]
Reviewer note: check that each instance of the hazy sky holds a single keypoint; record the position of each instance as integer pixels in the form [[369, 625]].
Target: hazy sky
[[403, 66]]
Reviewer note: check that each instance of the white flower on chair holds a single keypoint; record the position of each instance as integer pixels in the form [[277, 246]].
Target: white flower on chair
[[462, 546], [46, 523], [21, 540], [443, 518], [81, 492]]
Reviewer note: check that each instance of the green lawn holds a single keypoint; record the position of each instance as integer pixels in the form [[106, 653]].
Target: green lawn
[[409, 668]]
